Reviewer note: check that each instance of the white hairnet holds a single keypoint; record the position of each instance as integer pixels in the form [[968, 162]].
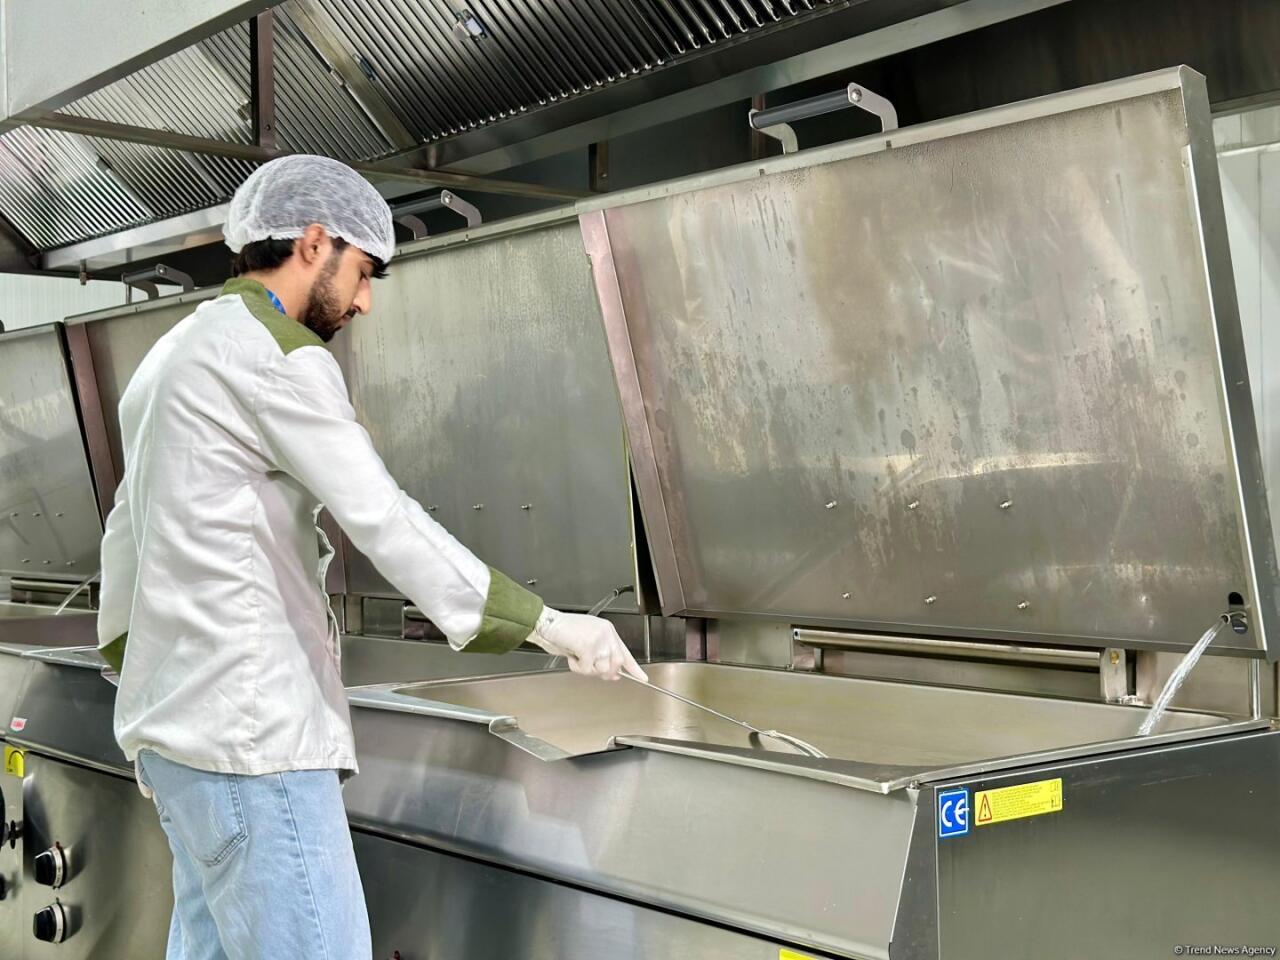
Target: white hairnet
[[286, 195]]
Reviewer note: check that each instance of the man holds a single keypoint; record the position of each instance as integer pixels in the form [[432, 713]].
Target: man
[[236, 429]]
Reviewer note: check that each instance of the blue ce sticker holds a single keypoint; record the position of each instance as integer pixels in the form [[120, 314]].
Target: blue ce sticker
[[953, 812]]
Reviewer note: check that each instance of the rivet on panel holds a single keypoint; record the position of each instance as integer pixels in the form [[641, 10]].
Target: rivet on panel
[[845, 596], [477, 506], [930, 600], [531, 583], [831, 504], [526, 506], [71, 563], [59, 514], [35, 514], [432, 509], [1024, 604], [25, 560], [46, 562], [913, 505], [1006, 504]]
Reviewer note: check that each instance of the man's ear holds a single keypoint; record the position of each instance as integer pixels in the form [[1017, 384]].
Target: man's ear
[[313, 246]]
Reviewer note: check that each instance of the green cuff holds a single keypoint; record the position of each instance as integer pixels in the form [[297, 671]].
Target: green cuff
[[113, 652], [510, 614]]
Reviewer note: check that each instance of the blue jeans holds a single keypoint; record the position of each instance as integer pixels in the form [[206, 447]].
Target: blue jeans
[[262, 866]]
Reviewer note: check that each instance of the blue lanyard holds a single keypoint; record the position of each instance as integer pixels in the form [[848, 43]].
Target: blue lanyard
[[275, 301]]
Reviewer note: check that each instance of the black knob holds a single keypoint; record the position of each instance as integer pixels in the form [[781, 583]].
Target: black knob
[[10, 832], [4, 888], [50, 924], [50, 867]]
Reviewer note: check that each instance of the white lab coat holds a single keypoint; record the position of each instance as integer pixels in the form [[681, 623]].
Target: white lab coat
[[236, 429]]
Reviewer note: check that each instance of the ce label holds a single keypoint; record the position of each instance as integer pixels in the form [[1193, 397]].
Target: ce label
[[953, 812]]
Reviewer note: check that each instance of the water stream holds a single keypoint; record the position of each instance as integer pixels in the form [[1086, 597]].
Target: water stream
[[1176, 678], [75, 593]]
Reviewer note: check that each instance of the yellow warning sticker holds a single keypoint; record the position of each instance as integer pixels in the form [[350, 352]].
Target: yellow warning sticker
[[1014, 803], [792, 955], [14, 762]]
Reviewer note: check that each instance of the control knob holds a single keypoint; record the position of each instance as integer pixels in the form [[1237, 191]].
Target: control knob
[[50, 924], [50, 867], [10, 831]]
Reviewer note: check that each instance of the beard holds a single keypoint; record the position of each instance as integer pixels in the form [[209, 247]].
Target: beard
[[323, 314]]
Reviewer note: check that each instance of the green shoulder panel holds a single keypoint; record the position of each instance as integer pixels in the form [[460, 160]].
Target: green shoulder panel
[[113, 652], [288, 333], [510, 614]]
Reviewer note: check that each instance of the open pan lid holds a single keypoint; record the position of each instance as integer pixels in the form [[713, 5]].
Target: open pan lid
[[982, 377]]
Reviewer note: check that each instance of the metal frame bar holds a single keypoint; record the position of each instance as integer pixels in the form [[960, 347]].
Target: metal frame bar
[[205, 226], [851, 96], [146, 279], [88, 127], [644, 461], [598, 166], [1015, 637], [105, 471], [406, 213], [443, 178], [1257, 538], [189, 229], [197, 296], [262, 78], [1069, 658], [776, 121]]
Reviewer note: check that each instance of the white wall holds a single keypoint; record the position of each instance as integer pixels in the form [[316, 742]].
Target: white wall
[[25, 301]]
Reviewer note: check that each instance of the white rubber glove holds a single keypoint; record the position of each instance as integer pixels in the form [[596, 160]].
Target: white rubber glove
[[590, 644]]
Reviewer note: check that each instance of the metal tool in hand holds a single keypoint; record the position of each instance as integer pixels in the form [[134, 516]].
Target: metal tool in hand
[[802, 746], [553, 663], [614, 594]]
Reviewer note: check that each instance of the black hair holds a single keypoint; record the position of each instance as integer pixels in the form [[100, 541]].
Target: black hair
[[271, 253]]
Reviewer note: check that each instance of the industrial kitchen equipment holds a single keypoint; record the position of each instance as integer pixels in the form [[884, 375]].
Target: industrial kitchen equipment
[[973, 385]]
